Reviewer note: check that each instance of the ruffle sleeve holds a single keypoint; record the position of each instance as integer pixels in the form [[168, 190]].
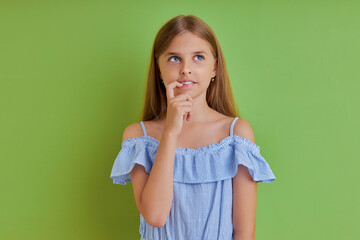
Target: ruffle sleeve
[[249, 156], [133, 151]]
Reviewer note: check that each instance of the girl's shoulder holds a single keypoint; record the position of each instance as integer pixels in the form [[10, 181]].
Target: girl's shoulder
[[243, 128], [133, 130], [153, 128]]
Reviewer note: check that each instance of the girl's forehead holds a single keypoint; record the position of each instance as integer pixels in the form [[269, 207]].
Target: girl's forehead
[[188, 43], [188, 38]]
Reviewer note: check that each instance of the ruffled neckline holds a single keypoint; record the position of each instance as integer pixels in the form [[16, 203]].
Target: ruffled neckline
[[224, 142]]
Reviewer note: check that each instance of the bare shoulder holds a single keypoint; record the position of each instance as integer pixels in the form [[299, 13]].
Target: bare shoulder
[[243, 128], [132, 130]]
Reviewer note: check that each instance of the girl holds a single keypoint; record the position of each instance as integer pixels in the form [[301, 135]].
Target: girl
[[193, 164]]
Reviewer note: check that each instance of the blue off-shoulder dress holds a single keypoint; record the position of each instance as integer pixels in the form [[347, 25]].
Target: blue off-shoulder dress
[[202, 197]]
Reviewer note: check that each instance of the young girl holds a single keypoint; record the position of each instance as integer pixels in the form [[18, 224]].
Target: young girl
[[193, 164]]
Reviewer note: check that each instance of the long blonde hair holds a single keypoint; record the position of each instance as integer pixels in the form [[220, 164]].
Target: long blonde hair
[[219, 95]]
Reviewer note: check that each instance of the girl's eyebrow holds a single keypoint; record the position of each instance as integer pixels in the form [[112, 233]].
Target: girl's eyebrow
[[175, 53]]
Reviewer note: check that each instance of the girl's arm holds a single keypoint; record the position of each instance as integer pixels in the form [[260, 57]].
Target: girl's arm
[[244, 205], [154, 192], [244, 192]]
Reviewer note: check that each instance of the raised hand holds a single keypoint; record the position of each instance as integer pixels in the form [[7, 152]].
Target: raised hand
[[178, 108]]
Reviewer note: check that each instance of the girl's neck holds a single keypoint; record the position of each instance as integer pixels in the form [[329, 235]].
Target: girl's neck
[[200, 111]]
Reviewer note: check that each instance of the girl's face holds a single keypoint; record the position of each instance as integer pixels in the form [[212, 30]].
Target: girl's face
[[188, 58]]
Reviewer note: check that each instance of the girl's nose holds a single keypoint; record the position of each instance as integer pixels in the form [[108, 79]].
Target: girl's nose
[[183, 72], [185, 69]]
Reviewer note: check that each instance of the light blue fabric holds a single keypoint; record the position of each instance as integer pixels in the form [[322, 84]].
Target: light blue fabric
[[202, 197]]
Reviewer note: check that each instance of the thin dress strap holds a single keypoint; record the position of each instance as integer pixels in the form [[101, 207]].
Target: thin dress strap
[[232, 126], [143, 128]]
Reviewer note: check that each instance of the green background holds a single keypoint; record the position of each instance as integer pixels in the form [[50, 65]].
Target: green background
[[73, 75]]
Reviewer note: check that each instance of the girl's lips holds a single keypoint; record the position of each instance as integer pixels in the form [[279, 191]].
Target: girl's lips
[[187, 85]]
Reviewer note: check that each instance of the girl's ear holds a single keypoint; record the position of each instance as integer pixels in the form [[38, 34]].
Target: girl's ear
[[215, 68]]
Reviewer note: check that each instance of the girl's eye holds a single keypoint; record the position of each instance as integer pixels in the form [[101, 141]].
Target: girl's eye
[[177, 57], [172, 57], [200, 56]]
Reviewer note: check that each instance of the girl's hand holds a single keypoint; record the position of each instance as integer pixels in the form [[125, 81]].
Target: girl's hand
[[178, 109]]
